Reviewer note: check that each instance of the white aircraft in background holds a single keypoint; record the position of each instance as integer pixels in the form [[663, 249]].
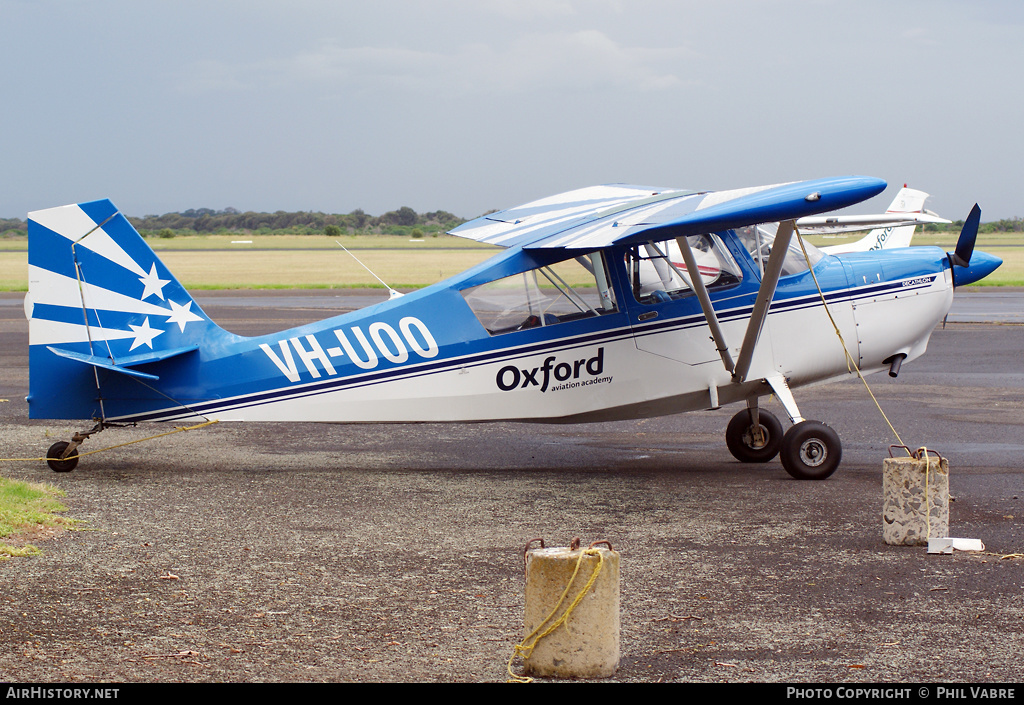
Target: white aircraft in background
[[909, 203]]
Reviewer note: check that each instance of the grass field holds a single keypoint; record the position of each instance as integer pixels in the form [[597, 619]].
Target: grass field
[[243, 242], [281, 261], [306, 269], [274, 262]]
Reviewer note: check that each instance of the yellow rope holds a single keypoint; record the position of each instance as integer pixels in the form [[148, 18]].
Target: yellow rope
[[527, 645], [927, 483], [179, 429], [850, 362]]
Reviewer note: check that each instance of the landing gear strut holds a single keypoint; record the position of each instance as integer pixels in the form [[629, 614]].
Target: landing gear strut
[[809, 450]]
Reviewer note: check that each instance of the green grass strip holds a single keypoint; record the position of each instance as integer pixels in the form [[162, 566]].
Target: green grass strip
[[26, 507]]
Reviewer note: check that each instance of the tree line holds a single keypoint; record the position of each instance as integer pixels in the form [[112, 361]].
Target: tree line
[[1006, 225], [397, 222], [208, 221]]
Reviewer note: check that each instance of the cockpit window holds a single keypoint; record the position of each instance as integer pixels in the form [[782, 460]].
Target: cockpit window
[[758, 239], [567, 291], [658, 273]]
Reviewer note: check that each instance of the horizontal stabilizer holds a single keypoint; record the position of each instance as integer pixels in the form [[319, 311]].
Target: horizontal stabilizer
[[123, 366]]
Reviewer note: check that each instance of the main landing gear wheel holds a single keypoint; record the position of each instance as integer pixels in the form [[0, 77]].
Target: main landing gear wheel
[[811, 451], [739, 436], [54, 454]]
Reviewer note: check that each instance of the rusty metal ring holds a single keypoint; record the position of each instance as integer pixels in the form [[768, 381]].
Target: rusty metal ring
[[909, 452], [527, 549]]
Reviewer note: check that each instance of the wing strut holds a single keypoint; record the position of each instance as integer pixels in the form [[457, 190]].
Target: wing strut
[[770, 280], [697, 282]]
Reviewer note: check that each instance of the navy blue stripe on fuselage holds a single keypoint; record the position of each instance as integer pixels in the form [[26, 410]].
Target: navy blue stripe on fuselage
[[794, 304], [479, 359], [368, 379]]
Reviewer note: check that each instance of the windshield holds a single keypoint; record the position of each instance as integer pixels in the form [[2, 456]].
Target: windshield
[[567, 291], [758, 239]]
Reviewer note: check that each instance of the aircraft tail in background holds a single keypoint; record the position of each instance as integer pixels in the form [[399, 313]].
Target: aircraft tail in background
[[908, 201]]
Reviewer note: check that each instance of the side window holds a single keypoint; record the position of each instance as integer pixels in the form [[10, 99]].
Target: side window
[[657, 271], [759, 239], [567, 291]]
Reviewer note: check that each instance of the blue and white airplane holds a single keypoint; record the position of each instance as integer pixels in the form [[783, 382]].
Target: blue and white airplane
[[580, 318]]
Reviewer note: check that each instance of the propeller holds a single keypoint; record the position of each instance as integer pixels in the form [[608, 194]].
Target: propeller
[[965, 243], [969, 266]]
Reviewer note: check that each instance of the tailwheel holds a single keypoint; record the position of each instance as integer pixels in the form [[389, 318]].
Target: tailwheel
[[55, 457], [754, 444], [811, 451], [63, 456]]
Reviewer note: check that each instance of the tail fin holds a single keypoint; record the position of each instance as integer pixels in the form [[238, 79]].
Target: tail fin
[[98, 299]]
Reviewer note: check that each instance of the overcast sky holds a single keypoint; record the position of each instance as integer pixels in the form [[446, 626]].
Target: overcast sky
[[469, 105]]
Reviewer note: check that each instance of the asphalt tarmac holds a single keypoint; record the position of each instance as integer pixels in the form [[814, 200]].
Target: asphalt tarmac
[[279, 552]]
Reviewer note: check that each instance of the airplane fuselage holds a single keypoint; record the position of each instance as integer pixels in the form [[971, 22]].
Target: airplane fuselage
[[427, 357]]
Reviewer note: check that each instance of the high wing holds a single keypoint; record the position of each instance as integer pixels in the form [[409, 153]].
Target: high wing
[[563, 212], [602, 216]]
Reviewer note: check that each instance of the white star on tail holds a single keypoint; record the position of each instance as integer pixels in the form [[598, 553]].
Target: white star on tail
[[153, 284], [182, 314], [144, 335]]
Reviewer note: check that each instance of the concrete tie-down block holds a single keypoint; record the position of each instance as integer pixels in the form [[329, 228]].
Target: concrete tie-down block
[[916, 500], [587, 644]]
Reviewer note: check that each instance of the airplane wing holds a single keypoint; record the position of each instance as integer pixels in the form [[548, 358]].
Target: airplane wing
[[835, 224], [562, 212], [602, 216]]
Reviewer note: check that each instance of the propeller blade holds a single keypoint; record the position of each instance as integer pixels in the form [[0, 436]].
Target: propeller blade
[[965, 243]]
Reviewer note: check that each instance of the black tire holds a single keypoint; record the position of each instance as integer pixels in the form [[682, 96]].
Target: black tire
[[740, 439], [53, 455], [811, 451]]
